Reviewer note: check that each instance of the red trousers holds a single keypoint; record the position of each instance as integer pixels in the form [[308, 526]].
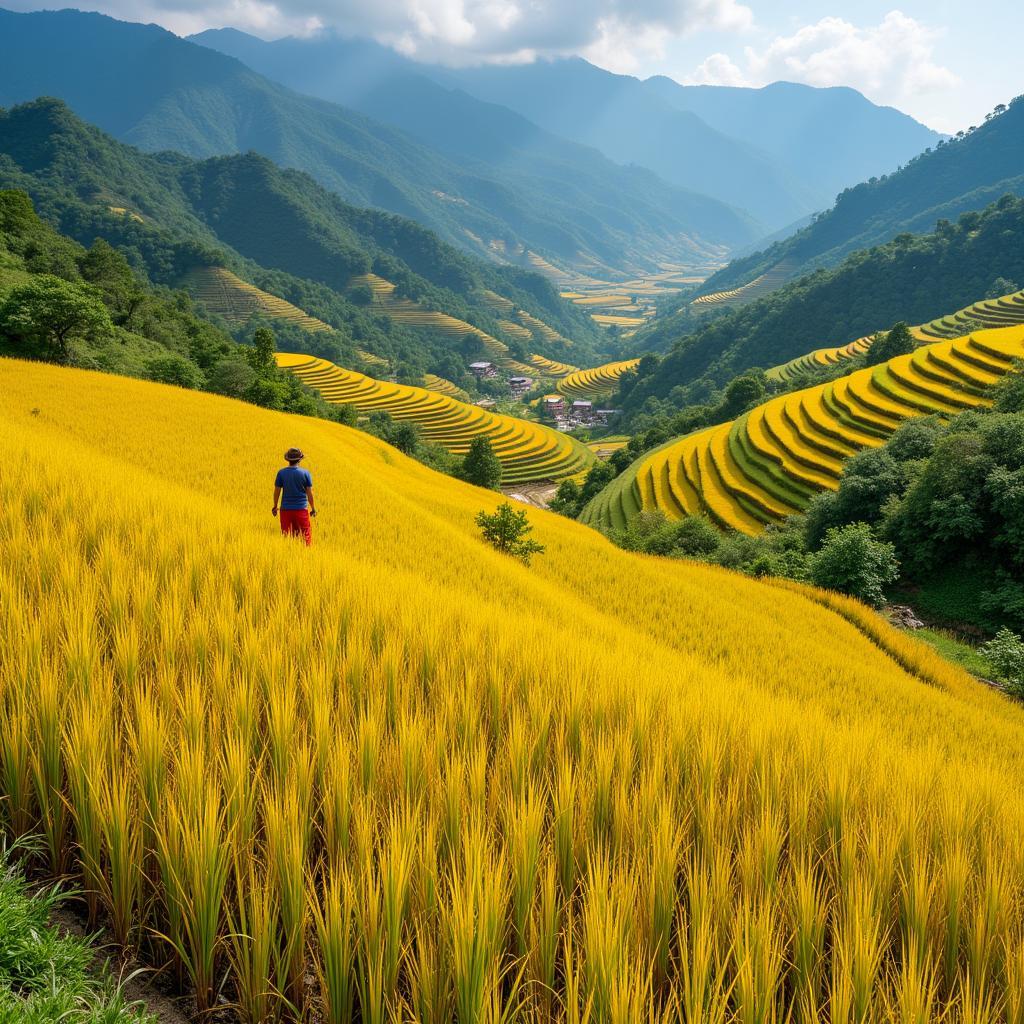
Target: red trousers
[[295, 523]]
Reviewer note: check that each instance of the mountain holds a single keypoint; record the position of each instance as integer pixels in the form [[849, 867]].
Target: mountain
[[781, 152], [958, 175], [828, 138], [572, 99], [161, 92], [912, 278], [278, 228]]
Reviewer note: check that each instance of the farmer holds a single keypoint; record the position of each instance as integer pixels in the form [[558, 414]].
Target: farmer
[[296, 487]]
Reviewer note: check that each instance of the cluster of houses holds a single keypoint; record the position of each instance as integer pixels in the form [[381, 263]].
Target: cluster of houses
[[570, 415], [518, 386]]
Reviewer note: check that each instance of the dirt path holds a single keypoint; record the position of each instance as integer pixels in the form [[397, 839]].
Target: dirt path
[[538, 495]]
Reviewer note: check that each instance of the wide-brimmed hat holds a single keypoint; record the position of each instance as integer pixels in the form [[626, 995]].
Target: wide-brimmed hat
[[293, 455]]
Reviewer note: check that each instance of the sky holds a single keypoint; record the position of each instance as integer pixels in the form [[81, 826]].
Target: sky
[[945, 62]]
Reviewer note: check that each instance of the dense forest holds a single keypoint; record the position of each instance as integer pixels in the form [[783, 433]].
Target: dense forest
[[913, 278]]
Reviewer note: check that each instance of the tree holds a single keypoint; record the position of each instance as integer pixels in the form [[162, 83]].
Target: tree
[[407, 438], [481, 465], [741, 393], [231, 377], [852, 561], [506, 530], [261, 355], [107, 270], [898, 342], [49, 314], [174, 369]]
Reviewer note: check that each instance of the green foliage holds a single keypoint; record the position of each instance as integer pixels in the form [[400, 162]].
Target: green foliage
[[852, 561], [45, 318], [44, 976], [570, 498], [507, 530], [1005, 652], [913, 279], [1009, 395], [897, 342], [232, 377], [175, 369], [261, 355], [481, 466]]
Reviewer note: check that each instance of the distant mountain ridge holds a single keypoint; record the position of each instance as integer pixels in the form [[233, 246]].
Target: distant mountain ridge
[[781, 152], [566, 202], [955, 177]]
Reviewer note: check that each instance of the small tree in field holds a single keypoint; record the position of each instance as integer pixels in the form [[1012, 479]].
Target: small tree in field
[[481, 465], [506, 530], [898, 342]]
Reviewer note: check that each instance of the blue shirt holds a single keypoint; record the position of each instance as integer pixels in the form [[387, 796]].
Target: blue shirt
[[293, 482]]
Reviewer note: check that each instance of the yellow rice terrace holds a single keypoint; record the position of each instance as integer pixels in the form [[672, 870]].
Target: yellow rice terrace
[[400, 776]]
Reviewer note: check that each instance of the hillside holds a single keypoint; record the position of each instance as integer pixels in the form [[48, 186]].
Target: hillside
[[694, 772], [961, 175], [912, 278], [769, 463], [305, 247], [161, 92]]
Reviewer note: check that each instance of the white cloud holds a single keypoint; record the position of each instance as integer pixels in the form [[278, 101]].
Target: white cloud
[[891, 62]]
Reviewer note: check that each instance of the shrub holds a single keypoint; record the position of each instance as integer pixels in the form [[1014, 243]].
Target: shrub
[[897, 342], [506, 530], [1005, 652], [174, 369], [852, 561]]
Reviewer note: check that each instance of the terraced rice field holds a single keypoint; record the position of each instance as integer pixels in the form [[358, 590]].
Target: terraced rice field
[[769, 463], [1002, 312], [595, 383], [767, 282], [443, 386], [989, 313], [528, 451], [227, 295], [818, 358], [412, 314]]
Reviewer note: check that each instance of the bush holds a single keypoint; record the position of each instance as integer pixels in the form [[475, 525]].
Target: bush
[[898, 342], [1005, 652], [175, 369], [506, 531], [231, 377], [852, 561]]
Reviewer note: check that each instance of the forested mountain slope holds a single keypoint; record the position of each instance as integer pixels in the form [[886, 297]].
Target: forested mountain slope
[[912, 278], [160, 92], [960, 175], [278, 228]]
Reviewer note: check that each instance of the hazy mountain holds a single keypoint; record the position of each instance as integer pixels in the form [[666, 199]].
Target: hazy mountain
[[957, 176], [148, 87], [571, 98], [828, 138]]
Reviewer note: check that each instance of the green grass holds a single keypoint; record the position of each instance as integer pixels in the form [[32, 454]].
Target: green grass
[[45, 976], [956, 650]]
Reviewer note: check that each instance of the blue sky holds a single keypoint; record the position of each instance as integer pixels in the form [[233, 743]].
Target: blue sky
[[947, 63]]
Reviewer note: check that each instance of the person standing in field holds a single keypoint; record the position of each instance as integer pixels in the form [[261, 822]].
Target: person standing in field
[[293, 497]]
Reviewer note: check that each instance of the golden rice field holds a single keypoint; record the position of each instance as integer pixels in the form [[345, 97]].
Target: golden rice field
[[989, 313], [399, 777], [528, 451], [770, 462], [227, 295], [762, 285], [443, 386], [598, 382]]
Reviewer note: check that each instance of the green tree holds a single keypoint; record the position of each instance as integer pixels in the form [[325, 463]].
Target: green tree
[[507, 530], [897, 342], [407, 438], [174, 369], [1010, 391], [231, 377], [481, 465], [741, 393], [852, 561], [261, 355], [48, 315], [107, 270]]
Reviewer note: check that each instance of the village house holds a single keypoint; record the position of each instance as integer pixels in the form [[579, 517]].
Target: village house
[[582, 412], [519, 385], [483, 370]]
